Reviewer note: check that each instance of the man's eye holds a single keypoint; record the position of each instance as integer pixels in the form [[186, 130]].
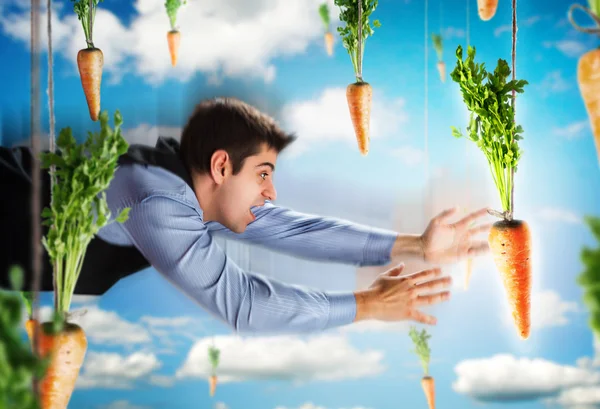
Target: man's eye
[[264, 175]]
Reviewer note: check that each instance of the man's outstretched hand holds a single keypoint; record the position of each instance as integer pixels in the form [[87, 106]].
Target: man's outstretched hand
[[444, 242], [397, 297]]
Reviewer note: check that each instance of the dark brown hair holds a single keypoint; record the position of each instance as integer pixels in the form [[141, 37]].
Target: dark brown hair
[[231, 125]]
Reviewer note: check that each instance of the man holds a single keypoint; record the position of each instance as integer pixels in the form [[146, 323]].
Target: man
[[220, 181]]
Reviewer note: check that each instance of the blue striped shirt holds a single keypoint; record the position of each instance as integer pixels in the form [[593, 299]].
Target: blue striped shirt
[[166, 225]]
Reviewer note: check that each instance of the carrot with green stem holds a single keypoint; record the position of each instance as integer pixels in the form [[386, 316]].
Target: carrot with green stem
[[420, 339], [174, 35], [90, 60], [492, 127], [487, 9], [78, 210], [441, 66], [324, 13], [213, 356], [588, 70], [355, 13]]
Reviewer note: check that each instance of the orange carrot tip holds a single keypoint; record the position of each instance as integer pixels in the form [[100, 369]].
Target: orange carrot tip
[[359, 96], [173, 36], [421, 341], [487, 9]]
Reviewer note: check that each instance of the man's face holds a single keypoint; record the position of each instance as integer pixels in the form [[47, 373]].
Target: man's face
[[250, 187]]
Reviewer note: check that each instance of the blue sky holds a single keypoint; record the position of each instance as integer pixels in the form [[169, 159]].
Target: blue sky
[[143, 333]]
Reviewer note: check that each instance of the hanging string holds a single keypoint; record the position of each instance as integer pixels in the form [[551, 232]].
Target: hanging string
[[426, 147], [35, 176], [359, 56], [468, 182], [511, 210], [52, 135]]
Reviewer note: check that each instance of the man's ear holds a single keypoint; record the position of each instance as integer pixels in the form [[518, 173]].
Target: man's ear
[[219, 166]]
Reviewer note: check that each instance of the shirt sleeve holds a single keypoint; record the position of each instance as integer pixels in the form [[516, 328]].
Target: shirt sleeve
[[315, 237], [175, 240]]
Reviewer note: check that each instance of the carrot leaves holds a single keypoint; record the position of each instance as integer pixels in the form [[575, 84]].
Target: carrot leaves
[[590, 277], [18, 364], [87, 17], [421, 347], [349, 33], [172, 7], [79, 208], [213, 356], [595, 7], [437, 44], [492, 126], [324, 13]]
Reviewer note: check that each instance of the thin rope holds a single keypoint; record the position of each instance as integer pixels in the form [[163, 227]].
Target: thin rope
[[35, 175], [511, 211], [468, 181], [52, 135], [426, 147], [359, 56]]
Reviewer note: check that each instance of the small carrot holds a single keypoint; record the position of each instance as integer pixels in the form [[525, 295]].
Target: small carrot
[[174, 39], [90, 60], [441, 66], [359, 96], [213, 356], [420, 339], [174, 35], [588, 71], [487, 9], [360, 93], [324, 13], [510, 245]]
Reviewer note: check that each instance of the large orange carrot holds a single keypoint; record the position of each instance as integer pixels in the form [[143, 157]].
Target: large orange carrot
[[487, 9], [90, 62], [428, 385], [66, 350], [174, 38], [329, 43], [212, 381], [588, 78], [359, 96], [510, 245]]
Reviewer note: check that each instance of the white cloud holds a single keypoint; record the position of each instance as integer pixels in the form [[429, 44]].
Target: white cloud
[[573, 130], [570, 48], [221, 405], [327, 119], [310, 405], [375, 326], [527, 22], [559, 215], [112, 370], [507, 378], [122, 404], [549, 310], [583, 397], [319, 358], [162, 380], [210, 39], [453, 32], [553, 83], [409, 155]]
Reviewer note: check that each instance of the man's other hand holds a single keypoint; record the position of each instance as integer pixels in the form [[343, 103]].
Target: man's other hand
[[397, 297]]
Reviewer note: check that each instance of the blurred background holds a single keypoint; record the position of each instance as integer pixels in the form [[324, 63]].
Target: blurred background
[[148, 343]]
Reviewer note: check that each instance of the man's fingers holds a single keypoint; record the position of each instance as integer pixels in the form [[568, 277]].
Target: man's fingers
[[396, 271], [478, 248], [424, 275], [445, 214], [422, 318], [471, 217], [431, 299], [479, 229], [435, 285]]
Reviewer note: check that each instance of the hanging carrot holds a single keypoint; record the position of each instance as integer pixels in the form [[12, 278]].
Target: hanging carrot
[[492, 127], [83, 174], [324, 13], [90, 60], [588, 71], [441, 66], [173, 36], [213, 356], [424, 353], [355, 13], [487, 9]]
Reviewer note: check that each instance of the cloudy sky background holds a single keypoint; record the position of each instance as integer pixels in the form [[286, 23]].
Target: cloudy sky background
[[145, 353]]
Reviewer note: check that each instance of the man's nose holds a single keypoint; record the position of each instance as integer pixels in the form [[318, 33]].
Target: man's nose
[[270, 193]]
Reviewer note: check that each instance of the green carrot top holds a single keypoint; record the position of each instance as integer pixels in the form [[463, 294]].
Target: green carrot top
[[86, 13], [213, 356], [590, 277], [421, 348], [324, 13], [172, 7], [437, 44]]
